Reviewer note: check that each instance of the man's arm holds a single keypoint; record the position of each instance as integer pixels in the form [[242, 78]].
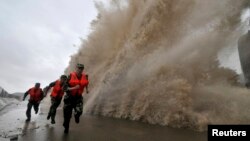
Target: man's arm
[[47, 88], [87, 89], [87, 86], [42, 95], [25, 94], [66, 84]]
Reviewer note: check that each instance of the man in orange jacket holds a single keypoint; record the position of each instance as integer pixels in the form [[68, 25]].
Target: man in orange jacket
[[73, 99], [36, 95], [56, 96]]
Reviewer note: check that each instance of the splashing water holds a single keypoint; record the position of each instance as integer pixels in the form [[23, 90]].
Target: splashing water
[[157, 62]]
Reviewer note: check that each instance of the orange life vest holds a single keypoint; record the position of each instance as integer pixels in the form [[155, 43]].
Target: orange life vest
[[57, 91], [75, 81], [35, 94]]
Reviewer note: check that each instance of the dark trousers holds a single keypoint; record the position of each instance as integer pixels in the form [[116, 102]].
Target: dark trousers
[[72, 103], [55, 102], [29, 107]]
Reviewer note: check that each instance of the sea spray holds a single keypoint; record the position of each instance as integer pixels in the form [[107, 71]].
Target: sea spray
[[157, 62]]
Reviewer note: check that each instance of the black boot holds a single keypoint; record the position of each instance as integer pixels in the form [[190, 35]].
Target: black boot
[[66, 126], [66, 130], [53, 121], [48, 117], [77, 118]]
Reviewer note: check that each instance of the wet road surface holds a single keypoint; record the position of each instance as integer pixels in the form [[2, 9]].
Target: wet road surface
[[90, 128]]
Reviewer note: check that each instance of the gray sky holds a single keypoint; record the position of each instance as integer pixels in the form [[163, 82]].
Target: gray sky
[[37, 38]]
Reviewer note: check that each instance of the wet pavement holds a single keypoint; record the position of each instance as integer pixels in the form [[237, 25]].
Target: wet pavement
[[90, 128]]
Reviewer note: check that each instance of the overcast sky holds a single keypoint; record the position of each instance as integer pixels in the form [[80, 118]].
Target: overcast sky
[[37, 38]]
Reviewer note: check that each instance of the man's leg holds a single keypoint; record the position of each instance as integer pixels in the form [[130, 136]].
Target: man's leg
[[51, 108], [36, 107], [78, 109], [28, 111], [56, 103], [49, 114], [67, 112]]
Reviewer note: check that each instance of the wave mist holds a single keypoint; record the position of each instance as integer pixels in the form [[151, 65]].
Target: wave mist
[[156, 61]]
